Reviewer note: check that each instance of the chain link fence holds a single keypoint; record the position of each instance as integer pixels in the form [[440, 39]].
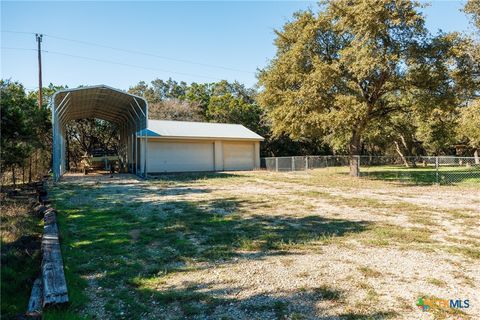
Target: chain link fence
[[418, 170]]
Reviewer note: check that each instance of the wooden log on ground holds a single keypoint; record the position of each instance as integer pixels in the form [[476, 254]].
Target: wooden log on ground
[[49, 216], [40, 209], [40, 186], [34, 309], [50, 234], [54, 283], [43, 197]]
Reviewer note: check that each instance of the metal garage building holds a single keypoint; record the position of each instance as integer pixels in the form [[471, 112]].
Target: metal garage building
[[180, 146], [172, 146]]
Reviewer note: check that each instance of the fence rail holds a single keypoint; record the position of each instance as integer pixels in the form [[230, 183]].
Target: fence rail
[[420, 169]]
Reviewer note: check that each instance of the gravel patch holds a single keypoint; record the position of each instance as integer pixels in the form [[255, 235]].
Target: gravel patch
[[344, 277]]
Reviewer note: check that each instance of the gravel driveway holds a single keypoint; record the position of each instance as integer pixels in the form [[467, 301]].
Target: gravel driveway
[[262, 245]]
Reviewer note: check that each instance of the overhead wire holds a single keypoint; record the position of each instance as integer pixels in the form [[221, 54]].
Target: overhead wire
[[147, 54], [133, 51], [113, 62]]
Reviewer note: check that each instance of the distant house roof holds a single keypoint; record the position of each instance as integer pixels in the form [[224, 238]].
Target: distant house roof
[[199, 130]]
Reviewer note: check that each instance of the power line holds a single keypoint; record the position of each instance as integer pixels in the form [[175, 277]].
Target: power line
[[16, 48], [112, 62], [135, 52], [19, 32], [130, 65], [149, 54]]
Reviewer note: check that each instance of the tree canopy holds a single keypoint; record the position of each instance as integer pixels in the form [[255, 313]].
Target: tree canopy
[[25, 127], [340, 72]]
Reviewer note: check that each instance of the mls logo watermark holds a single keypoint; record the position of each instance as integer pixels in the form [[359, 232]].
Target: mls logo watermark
[[429, 304]]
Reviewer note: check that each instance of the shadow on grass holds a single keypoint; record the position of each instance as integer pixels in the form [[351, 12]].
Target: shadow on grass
[[120, 246], [423, 176], [198, 301]]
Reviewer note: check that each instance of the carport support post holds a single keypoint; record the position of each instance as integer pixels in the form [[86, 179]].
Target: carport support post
[[146, 139], [131, 156], [145, 162], [54, 143], [137, 126], [145, 115], [145, 152]]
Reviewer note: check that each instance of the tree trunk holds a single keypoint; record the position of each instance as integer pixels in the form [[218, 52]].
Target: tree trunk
[[354, 165], [354, 151], [30, 168], [397, 148], [13, 176], [476, 156], [36, 164], [409, 150]]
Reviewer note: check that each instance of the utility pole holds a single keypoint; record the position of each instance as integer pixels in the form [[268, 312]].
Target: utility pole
[[39, 36]]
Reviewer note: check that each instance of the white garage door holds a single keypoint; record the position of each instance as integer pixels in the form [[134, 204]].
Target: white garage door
[[238, 155], [180, 156]]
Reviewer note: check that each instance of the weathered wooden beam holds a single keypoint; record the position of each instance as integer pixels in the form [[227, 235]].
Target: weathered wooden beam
[[54, 283], [50, 234], [40, 209], [53, 275], [34, 309], [49, 216], [43, 198]]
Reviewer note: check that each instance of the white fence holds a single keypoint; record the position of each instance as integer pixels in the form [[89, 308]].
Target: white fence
[[421, 169]]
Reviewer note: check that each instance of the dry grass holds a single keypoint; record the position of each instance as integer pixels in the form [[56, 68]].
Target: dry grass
[[14, 219], [20, 257]]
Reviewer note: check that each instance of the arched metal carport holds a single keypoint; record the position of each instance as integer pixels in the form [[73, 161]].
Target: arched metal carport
[[128, 111]]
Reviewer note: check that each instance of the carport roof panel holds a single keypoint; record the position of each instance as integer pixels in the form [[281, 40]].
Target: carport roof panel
[[99, 101], [188, 129]]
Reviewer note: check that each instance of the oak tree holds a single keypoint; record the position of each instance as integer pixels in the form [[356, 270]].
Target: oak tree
[[339, 70]]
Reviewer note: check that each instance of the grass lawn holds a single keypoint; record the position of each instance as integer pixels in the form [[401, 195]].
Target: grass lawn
[[447, 175], [262, 245]]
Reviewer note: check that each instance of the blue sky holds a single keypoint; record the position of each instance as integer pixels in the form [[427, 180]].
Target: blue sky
[[213, 40]]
